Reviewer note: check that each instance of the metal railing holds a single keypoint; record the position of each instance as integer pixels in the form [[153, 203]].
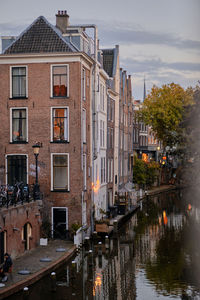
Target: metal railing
[[11, 195]]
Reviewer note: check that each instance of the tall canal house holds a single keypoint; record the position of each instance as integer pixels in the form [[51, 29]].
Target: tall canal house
[[58, 88]]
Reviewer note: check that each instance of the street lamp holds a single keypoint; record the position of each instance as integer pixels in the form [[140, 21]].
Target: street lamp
[[36, 190]]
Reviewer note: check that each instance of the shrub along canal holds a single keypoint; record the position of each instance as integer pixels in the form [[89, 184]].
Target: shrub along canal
[[155, 255]]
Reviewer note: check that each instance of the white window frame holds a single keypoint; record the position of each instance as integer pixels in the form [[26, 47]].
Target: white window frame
[[84, 172], [6, 164], [62, 107], [83, 84], [11, 91], [11, 121], [52, 154], [84, 126], [51, 79]]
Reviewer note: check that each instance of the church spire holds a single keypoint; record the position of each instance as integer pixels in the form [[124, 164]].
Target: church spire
[[144, 96]]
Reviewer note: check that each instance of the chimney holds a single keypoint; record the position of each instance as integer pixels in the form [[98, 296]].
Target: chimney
[[62, 20]]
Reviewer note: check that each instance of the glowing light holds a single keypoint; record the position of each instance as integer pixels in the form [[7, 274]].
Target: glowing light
[[97, 283], [189, 206], [165, 220], [96, 186], [145, 157]]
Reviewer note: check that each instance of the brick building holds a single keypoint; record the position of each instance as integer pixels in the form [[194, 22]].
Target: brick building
[[45, 87]]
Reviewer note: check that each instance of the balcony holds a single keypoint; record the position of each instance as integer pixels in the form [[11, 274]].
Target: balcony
[[18, 194]]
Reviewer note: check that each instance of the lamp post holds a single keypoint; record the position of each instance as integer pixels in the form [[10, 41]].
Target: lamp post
[[36, 190]]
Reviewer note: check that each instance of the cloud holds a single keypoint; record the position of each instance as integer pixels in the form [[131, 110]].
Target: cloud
[[150, 65], [128, 35]]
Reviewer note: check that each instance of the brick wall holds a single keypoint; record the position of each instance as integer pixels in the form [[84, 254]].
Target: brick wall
[[39, 103]]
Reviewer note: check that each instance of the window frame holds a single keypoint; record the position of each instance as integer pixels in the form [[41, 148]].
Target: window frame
[[84, 126], [11, 124], [11, 82], [52, 173], [84, 172], [83, 84], [52, 124], [51, 81], [6, 165]]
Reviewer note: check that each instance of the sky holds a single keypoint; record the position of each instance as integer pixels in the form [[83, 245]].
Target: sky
[[158, 39]]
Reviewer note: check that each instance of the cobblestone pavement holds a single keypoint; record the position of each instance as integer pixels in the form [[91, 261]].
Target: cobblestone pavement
[[30, 261]]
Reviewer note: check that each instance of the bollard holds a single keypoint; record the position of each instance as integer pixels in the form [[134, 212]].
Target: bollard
[[95, 237], [87, 241], [25, 293], [53, 281], [100, 248], [90, 258], [100, 261], [106, 242], [73, 273], [115, 225]]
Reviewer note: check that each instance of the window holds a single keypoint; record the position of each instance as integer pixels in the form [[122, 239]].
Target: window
[[110, 170], [83, 84], [16, 169], [60, 172], [84, 172], [111, 138], [18, 125], [60, 124], [108, 139], [18, 82], [84, 125], [109, 108], [102, 97], [102, 133], [60, 81], [103, 169]]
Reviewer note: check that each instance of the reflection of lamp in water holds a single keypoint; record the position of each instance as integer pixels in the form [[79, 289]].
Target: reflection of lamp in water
[[165, 220], [97, 284]]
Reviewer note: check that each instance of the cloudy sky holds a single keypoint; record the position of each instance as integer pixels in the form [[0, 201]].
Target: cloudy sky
[[158, 39]]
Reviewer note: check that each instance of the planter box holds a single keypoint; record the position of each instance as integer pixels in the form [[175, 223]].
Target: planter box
[[102, 227], [43, 242]]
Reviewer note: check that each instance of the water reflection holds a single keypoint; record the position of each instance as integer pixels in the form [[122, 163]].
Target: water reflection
[[154, 256]]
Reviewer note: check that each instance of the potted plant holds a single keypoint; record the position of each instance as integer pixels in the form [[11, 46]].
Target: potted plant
[[102, 225]]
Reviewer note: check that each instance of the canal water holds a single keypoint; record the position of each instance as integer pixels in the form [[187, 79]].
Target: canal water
[[155, 255]]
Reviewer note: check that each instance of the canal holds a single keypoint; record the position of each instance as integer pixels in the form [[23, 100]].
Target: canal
[[155, 255]]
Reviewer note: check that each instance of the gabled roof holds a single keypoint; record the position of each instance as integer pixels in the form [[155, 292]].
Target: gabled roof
[[39, 37]]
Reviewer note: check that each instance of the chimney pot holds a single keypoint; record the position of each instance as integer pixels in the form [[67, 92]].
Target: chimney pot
[[62, 20]]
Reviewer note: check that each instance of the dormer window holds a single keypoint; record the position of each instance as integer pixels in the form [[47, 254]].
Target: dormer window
[[60, 79]]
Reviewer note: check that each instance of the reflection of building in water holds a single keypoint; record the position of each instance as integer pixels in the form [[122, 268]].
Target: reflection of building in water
[[114, 274], [147, 241]]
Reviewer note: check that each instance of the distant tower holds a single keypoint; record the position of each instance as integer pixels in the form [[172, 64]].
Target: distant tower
[[144, 90]]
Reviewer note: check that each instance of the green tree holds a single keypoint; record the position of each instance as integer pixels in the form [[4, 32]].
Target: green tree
[[144, 173], [139, 171], [152, 172], [164, 109]]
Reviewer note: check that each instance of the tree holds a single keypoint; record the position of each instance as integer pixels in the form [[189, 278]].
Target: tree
[[144, 173], [139, 171], [164, 109]]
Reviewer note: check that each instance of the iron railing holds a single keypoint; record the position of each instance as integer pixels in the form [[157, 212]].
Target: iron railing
[[11, 195]]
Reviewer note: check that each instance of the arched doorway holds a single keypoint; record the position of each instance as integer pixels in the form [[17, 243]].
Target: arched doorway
[[26, 234]]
